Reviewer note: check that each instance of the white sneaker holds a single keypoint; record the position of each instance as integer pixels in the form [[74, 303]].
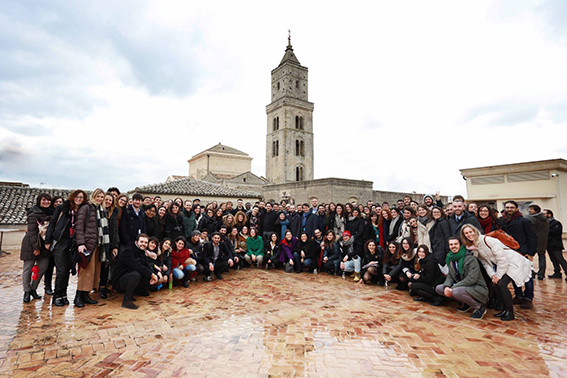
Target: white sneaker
[[315, 271]]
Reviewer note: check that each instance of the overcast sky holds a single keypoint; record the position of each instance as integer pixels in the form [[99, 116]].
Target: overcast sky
[[110, 93]]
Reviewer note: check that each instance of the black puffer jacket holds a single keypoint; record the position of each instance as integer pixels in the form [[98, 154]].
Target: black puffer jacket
[[554, 240], [60, 224], [429, 273]]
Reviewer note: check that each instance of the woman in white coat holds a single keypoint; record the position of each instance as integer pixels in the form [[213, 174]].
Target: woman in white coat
[[501, 263]]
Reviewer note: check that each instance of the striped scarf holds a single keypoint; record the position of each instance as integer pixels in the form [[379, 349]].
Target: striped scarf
[[103, 233]]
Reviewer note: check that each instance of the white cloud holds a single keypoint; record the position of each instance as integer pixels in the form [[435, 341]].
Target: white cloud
[[405, 94]]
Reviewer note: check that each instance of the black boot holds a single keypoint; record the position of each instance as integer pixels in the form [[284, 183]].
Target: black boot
[[508, 316], [87, 299], [48, 290], [57, 299], [103, 292], [34, 294], [27, 296], [79, 299], [501, 313]]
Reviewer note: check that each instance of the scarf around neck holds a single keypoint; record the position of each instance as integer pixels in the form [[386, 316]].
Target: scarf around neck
[[459, 257], [103, 233]]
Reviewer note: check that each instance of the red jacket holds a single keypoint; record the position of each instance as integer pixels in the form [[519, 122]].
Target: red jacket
[[179, 257]]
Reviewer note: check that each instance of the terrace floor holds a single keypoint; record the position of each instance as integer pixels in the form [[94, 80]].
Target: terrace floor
[[258, 323]]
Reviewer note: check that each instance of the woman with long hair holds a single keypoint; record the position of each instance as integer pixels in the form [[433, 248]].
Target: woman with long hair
[[48, 276], [395, 224], [331, 253], [240, 220], [307, 252], [255, 248], [60, 233], [33, 251], [501, 263], [93, 243], [183, 261], [330, 212], [271, 247], [424, 224], [439, 235], [487, 218], [406, 259], [121, 203], [384, 227], [112, 213], [339, 224], [390, 262], [426, 277], [372, 270], [208, 221], [174, 222], [372, 228]]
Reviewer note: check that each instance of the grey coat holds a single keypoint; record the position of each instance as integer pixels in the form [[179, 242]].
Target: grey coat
[[471, 279]]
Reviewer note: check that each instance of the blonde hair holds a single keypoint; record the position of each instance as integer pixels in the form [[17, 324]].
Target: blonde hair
[[94, 194], [467, 242]]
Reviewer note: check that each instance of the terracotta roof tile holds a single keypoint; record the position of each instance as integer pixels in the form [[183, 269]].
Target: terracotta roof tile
[[14, 200]]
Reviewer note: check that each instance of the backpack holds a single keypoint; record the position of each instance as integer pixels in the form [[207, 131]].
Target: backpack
[[505, 238]]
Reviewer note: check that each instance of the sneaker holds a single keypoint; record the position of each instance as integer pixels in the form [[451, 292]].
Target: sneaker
[[315, 271], [478, 314], [527, 304], [438, 301], [208, 278], [464, 308]]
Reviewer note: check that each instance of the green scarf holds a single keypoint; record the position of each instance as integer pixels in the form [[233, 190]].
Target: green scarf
[[459, 257]]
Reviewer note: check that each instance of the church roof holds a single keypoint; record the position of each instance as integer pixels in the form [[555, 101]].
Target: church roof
[[222, 148], [190, 186], [289, 56]]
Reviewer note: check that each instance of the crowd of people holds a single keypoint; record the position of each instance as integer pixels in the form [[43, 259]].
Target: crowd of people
[[435, 251]]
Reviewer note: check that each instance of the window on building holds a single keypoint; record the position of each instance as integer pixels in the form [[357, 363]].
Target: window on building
[[297, 84], [274, 128], [278, 85], [297, 122], [297, 148], [273, 148], [277, 148], [301, 151], [298, 173]]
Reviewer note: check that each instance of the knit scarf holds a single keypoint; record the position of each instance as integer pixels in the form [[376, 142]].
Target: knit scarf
[[486, 224], [103, 233], [459, 257]]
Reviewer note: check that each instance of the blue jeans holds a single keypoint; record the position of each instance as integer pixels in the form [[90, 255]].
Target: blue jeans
[[528, 292], [178, 274], [353, 264], [309, 264]]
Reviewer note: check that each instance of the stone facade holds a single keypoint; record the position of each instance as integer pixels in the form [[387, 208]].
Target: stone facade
[[289, 137], [337, 190], [223, 161]]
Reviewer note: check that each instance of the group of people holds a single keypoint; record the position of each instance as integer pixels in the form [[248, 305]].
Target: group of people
[[434, 251]]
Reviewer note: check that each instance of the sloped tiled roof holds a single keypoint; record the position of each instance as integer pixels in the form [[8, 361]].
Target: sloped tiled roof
[[190, 186], [15, 199], [222, 148]]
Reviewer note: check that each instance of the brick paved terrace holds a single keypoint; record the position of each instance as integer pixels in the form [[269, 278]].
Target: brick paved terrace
[[258, 323]]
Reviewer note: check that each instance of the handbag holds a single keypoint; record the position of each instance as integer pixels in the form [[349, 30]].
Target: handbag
[[288, 267]]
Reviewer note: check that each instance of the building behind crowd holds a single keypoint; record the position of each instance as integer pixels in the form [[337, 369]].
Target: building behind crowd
[[540, 182]]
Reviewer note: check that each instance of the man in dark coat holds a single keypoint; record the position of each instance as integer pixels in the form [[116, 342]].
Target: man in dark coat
[[460, 217], [522, 230], [294, 221], [133, 222], [315, 221], [268, 221], [541, 227], [555, 245], [217, 257], [130, 275]]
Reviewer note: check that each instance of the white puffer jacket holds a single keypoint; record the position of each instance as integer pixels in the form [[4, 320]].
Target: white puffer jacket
[[492, 251]]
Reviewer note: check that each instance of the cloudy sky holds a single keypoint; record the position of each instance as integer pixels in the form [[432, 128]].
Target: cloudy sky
[[406, 93]]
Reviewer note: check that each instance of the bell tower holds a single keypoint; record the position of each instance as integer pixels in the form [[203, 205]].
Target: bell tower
[[289, 138]]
